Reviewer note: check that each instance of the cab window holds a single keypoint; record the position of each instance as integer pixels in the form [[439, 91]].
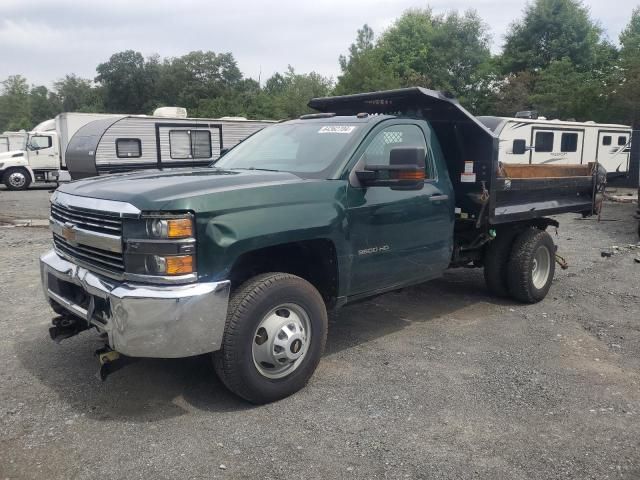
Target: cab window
[[38, 142], [622, 141]]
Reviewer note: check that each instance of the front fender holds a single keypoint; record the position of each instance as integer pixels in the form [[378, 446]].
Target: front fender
[[9, 161], [313, 211]]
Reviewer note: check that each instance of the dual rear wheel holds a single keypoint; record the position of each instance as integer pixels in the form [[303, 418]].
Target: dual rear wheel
[[520, 264]]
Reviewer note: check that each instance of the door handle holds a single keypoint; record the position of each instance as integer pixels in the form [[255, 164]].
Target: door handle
[[438, 197]]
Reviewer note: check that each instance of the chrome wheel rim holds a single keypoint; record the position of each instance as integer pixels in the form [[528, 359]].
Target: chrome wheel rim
[[281, 341], [541, 267], [17, 179]]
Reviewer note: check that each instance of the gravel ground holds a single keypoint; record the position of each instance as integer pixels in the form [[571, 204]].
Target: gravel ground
[[436, 381]]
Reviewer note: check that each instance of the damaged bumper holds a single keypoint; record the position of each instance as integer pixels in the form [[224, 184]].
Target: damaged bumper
[[140, 320]]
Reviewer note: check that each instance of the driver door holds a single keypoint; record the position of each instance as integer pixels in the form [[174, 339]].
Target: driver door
[[43, 152], [398, 237]]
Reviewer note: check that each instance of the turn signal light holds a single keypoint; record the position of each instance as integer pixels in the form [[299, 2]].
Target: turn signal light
[[179, 265], [410, 175]]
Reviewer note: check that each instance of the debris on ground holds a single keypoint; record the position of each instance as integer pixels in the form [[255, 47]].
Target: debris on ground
[[616, 249]]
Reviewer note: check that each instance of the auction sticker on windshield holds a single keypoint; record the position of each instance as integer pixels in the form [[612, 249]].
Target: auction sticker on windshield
[[337, 129]]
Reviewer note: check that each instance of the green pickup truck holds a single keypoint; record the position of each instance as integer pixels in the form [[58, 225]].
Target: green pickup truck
[[242, 259]]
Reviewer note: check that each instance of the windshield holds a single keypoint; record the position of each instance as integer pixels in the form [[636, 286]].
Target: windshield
[[309, 149]]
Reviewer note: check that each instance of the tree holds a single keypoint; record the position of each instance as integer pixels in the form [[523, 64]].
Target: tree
[[296, 91], [443, 52], [364, 70], [551, 30], [44, 104], [78, 94], [196, 76], [627, 84], [15, 107], [129, 82], [563, 91]]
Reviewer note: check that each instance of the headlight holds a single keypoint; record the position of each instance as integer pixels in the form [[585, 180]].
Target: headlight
[[160, 245], [174, 265], [170, 228]]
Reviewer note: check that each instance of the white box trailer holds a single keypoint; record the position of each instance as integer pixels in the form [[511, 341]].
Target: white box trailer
[[129, 142], [557, 142]]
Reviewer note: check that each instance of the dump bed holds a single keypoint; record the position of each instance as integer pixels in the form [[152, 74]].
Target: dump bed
[[484, 189]]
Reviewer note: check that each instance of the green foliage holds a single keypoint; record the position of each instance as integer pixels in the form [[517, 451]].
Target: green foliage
[[77, 94], [626, 99], [550, 31], [129, 82], [365, 70], [15, 107], [443, 52]]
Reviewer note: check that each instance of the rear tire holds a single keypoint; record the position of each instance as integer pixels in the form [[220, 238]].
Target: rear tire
[[496, 260], [274, 336], [531, 266], [16, 178]]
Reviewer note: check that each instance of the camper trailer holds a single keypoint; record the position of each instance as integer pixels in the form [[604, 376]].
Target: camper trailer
[[79, 145], [129, 142], [557, 142]]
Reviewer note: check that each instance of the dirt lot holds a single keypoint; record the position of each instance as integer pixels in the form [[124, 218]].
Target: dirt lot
[[437, 381]]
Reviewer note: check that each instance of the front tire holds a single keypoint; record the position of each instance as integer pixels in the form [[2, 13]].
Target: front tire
[[16, 178], [531, 266], [275, 333]]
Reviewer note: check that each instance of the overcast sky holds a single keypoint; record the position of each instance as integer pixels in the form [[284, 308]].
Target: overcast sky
[[45, 39]]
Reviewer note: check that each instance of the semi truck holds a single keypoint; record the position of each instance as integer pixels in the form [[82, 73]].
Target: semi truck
[[243, 259]]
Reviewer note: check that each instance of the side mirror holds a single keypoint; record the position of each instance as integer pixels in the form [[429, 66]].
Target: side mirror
[[224, 152], [406, 170], [519, 147]]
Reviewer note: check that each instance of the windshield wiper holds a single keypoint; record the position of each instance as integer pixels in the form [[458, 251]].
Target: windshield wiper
[[254, 168]]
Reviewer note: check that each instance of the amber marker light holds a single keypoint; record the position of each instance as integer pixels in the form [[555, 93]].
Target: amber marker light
[[179, 228], [410, 175], [179, 265]]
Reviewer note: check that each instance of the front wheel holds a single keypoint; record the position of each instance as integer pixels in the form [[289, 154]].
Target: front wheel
[[274, 336], [531, 266], [16, 179]]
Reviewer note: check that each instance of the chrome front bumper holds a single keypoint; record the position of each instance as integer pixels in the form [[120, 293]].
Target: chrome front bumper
[[140, 320]]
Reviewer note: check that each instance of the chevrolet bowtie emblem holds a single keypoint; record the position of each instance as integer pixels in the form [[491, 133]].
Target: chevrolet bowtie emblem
[[68, 233]]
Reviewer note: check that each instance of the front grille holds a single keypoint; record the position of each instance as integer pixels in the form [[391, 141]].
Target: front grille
[[89, 221], [96, 257], [94, 221]]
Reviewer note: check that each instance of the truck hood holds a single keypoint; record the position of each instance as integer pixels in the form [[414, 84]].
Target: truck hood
[[11, 154], [156, 189]]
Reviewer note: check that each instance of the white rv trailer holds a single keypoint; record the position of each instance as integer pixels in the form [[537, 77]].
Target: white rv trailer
[[537, 141], [128, 142], [106, 143]]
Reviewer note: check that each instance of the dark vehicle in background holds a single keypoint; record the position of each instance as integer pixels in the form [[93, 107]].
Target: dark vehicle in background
[[243, 259]]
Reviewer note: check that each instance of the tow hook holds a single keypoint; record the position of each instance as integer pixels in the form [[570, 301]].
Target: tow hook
[[65, 327], [110, 361]]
